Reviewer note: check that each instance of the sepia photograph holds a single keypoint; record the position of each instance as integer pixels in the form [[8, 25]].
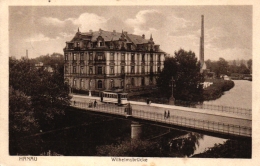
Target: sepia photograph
[[129, 83]]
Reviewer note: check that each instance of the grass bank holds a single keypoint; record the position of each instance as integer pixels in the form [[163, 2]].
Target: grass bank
[[217, 89]]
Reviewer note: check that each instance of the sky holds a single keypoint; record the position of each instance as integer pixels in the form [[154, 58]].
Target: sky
[[45, 29]]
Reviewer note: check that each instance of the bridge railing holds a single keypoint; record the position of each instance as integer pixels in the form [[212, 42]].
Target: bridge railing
[[173, 119], [236, 110], [195, 123]]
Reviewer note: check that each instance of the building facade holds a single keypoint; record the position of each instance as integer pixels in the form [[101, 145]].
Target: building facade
[[104, 60]]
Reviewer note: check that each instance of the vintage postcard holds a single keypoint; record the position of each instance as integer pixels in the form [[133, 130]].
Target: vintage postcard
[[146, 83]]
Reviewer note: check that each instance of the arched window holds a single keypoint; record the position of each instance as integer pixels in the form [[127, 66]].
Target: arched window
[[142, 81], [99, 84], [90, 84], [74, 82], [132, 81], [81, 84], [111, 83]]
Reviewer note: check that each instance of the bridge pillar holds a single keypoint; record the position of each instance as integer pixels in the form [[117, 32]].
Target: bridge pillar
[[136, 130]]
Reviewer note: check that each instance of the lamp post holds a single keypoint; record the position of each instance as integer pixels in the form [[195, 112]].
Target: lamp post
[[172, 99], [90, 88]]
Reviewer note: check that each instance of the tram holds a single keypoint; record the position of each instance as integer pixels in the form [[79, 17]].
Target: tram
[[114, 97]]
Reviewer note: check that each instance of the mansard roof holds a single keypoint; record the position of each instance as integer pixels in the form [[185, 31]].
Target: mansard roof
[[109, 36]]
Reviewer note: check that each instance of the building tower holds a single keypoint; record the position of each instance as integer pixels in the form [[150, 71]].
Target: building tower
[[203, 65]]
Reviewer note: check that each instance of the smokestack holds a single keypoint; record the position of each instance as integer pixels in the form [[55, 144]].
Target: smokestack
[[202, 42], [26, 54]]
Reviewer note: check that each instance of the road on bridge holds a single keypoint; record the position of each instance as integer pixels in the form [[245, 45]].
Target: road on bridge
[[192, 113]]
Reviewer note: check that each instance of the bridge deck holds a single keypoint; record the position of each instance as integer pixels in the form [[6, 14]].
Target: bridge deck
[[225, 122]]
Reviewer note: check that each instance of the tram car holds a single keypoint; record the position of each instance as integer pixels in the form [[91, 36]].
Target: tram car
[[114, 97]]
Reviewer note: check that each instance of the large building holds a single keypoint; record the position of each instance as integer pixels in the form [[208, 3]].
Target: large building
[[104, 60]]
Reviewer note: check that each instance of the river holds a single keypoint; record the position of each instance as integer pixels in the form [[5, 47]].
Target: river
[[239, 96]]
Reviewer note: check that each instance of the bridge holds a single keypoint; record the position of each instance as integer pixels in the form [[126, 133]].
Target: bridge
[[221, 123]]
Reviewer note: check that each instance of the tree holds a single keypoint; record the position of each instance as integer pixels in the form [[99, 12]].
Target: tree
[[222, 67], [22, 122], [48, 93], [185, 70]]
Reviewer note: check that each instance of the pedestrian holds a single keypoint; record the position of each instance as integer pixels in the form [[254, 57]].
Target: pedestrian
[[168, 114], [95, 103], [147, 101], [165, 114]]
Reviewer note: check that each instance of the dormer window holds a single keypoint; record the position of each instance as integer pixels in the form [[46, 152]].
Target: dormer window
[[111, 45], [77, 44]]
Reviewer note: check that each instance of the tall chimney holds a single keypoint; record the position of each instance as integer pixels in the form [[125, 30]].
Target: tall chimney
[[26, 54], [202, 42]]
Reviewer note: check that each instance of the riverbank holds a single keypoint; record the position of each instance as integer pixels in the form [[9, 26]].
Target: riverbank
[[213, 92], [217, 89]]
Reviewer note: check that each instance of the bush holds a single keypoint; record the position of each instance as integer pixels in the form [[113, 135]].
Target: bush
[[216, 90]]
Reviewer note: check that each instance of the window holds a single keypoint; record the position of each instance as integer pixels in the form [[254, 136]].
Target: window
[[151, 57], [81, 84], [159, 58], [74, 82], [132, 69], [66, 69], [143, 70], [122, 69], [151, 80], [90, 84], [90, 56], [74, 69], [82, 70], [77, 44], [122, 83], [132, 57], [100, 57], [82, 56], [111, 56], [90, 70], [111, 83], [159, 68], [112, 70], [66, 57], [142, 81], [99, 84], [132, 81], [151, 68], [111, 45], [123, 57], [74, 56], [143, 57], [99, 70]]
